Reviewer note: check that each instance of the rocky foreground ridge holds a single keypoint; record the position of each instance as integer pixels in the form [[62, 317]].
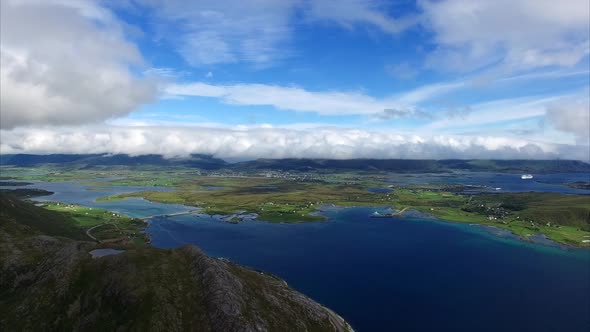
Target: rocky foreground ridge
[[50, 282]]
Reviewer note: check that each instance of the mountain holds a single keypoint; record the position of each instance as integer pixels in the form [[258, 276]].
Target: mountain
[[90, 160], [416, 166], [50, 282], [293, 164]]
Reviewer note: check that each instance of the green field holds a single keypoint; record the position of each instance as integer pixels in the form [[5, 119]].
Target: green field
[[562, 218], [102, 225]]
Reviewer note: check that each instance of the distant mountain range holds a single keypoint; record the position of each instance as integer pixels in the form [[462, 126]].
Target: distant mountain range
[[211, 163], [28, 160]]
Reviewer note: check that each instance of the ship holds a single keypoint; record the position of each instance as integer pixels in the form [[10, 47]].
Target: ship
[[526, 176]]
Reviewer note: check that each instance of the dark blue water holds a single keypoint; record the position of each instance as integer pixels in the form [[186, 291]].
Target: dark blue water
[[507, 182], [379, 190], [405, 275]]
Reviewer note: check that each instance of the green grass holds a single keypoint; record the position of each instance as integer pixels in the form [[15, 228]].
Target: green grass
[[115, 227], [563, 218], [38, 219]]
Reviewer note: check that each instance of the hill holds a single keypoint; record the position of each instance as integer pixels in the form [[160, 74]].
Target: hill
[[90, 160], [49, 281], [417, 166], [206, 162]]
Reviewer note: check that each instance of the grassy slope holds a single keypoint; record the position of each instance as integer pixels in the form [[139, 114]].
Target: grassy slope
[[38, 219], [52, 283], [114, 227]]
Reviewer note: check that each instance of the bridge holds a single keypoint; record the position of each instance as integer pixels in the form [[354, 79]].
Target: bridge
[[169, 214], [389, 215]]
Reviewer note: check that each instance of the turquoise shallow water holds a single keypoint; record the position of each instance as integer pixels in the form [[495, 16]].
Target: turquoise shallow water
[[388, 274]]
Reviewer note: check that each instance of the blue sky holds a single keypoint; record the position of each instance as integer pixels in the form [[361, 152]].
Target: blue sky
[[341, 79]]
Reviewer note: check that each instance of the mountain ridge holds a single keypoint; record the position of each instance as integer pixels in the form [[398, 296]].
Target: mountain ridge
[[207, 162]]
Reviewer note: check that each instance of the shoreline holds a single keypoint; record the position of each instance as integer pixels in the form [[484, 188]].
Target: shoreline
[[436, 203]]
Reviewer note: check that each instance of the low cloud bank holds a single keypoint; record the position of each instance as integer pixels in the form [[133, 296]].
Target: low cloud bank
[[571, 116], [254, 143]]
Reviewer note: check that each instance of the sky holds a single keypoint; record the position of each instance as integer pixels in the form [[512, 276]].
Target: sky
[[427, 79]]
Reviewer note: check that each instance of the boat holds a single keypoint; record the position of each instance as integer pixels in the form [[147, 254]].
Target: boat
[[526, 176]]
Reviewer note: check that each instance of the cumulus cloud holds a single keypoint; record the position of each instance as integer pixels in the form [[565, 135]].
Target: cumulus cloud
[[495, 112], [571, 116], [249, 143], [65, 62], [518, 34]]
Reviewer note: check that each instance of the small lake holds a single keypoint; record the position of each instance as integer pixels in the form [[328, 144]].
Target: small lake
[[96, 253]]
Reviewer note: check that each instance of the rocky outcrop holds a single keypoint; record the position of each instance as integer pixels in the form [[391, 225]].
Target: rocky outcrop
[[240, 299]]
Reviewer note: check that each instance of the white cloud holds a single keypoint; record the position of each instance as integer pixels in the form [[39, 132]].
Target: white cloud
[[164, 73], [499, 111], [517, 34], [65, 62], [390, 113], [294, 98], [209, 32], [299, 99], [569, 113], [403, 71], [247, 143], [571, 116], [426, 92], [259, 32], [349, 13]]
